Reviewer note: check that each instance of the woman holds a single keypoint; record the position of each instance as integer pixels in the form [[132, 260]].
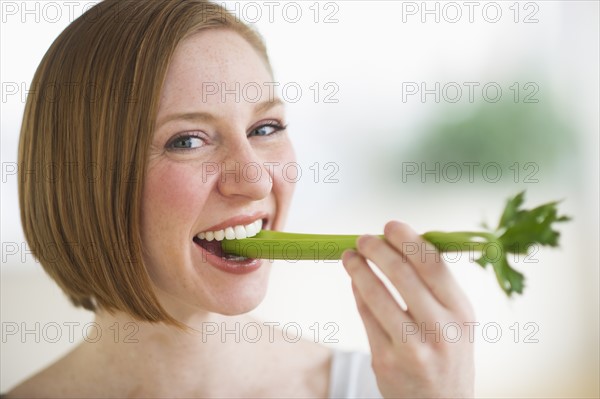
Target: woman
[[151, 159]]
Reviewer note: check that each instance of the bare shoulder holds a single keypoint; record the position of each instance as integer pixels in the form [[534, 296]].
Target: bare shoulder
[[58, 380]]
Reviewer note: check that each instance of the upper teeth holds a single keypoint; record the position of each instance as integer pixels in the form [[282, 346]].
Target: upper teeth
[[234, 232]]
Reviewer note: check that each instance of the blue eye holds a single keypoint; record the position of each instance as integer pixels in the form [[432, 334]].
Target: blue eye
[[267, 129], [185, 142]]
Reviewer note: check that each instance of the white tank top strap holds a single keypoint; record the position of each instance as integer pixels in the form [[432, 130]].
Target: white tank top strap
[[352, 376]]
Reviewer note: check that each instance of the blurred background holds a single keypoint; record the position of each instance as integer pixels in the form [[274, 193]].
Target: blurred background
[[433, 113]]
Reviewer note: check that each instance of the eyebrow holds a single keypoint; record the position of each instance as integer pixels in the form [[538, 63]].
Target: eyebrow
[[207, 116]]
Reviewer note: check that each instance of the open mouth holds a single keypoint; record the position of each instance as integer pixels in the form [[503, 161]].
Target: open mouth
[[213, 247], [211, 241]]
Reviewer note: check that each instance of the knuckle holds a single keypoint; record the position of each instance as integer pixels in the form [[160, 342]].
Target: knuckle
[[466, 312], [371, 291], [462, 310], [420, 358], [384, 362], [361, 306]]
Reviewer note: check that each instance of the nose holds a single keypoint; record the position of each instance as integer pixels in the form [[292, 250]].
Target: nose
[[243, 174]]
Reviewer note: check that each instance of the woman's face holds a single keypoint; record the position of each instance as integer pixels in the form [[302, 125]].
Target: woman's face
[[215, 162]]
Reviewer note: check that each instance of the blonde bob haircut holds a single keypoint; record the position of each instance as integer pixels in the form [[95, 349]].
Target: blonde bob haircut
[[87, 127]]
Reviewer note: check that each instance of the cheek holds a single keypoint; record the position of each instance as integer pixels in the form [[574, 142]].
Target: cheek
[[171, 194], [289, 173], [284, 178]]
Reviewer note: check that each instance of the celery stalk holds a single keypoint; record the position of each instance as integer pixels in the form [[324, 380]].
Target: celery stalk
[[270, 244], [517, 231]]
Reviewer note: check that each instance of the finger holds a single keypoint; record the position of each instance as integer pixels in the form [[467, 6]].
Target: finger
[[428, 264], [422, 305], [379, 339], [375, 295]]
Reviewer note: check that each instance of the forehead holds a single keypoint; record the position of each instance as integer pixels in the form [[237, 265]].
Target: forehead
[[208, 59]]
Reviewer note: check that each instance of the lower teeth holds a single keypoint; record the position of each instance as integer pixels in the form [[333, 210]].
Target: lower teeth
[[235, 258], [217, 251]]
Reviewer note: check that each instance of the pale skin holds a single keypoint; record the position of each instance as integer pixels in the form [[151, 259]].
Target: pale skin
[[179, 201]]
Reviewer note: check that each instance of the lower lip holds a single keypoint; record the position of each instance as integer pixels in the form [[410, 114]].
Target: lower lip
[[230, 266]]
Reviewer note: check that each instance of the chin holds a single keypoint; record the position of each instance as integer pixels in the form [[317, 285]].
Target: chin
[[241, 300], [229, 296], [239, 308]]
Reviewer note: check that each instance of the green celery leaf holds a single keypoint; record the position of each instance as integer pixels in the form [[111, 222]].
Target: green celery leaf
[[524, 228]]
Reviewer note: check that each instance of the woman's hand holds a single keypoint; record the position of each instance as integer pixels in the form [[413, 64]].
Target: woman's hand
[[425, 350]]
